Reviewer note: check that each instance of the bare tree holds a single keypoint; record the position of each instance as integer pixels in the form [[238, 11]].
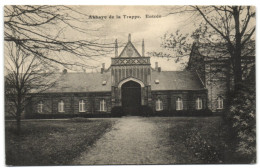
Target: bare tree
[[233, 25], [26, 73], [63, 32], [226, 30], [40, 38]]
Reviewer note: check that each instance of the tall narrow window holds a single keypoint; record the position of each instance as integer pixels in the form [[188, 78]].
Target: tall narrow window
[[81, 106], [103, 105], [220, 103], [61, 106], [179, 104], [199, 103], [40, 107], [159, 105]]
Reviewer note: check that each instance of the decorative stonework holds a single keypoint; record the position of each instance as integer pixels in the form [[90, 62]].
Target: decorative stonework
[[131, 61], [129, 52], [130, 79]]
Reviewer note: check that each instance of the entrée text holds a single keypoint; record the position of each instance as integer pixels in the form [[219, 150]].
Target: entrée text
[[122, 17]]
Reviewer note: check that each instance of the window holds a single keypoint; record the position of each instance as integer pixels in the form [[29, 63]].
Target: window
[[81, 106], [159, 105], [199, 103], [179, 104], [103, 105], [39, 107], [220, 103], [61, 106]]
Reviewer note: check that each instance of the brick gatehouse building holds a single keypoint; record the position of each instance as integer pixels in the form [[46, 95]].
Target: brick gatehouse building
[[131, 82]]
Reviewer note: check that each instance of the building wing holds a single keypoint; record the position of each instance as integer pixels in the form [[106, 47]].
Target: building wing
[[82, 82], [175, 80]]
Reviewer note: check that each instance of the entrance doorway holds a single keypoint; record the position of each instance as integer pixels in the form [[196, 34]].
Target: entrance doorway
[[131, 97]]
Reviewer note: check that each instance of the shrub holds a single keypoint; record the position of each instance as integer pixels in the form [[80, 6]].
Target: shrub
[[146, 111], [243, 118], [117, 111], [164, 113], [203, 112], [201, 147], [80, 119], [66, 115]]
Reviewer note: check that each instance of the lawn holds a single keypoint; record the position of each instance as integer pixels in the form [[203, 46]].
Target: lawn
[[198, 140], [48, 142]]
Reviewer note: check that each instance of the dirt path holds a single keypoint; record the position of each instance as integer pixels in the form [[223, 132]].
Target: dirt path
[[132, 140]]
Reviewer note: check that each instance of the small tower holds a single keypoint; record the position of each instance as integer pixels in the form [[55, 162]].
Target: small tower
[[116, 49], [143, 48], [129, 37]]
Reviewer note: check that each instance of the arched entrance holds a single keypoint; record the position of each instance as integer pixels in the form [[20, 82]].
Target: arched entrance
[[131, 97]]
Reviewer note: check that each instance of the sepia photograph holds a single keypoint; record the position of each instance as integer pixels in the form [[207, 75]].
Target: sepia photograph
[[129, 85]]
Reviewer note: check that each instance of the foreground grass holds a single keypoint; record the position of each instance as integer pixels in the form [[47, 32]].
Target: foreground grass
[[198, 140], [51, 142]]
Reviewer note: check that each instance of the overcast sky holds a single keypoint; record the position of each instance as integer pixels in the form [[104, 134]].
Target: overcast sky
[[149, 29]]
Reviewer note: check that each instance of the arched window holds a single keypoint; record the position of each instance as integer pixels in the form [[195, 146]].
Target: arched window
[[61, 106], [220, 103], [199, 103], [40, 107], [103, 105], [159, 105], [179, 104], [81, 106]]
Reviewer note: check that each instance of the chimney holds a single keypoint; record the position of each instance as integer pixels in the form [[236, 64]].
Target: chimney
[[156, 66], [103, 68], [129, 37], [116, 49], [143, 48]]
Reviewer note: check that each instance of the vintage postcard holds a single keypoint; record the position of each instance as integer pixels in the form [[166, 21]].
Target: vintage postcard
[[129, 85]]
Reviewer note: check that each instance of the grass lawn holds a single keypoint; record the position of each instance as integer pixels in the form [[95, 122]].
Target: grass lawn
[[52, 142], [202, 140]]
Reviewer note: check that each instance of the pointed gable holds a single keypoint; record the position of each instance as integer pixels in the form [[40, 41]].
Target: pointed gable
[[129, 50]]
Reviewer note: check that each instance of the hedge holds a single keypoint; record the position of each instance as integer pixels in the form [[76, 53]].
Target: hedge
[[117, 111], [203, 112], [66, 115]]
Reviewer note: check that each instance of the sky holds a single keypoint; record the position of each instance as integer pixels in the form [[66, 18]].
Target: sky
[[108, 23], [133, 20]]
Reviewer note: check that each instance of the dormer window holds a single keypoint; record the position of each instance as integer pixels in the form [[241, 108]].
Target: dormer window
[[104, 82], [157, 81]]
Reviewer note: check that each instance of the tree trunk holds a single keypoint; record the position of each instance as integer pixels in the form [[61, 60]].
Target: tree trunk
[[237, 52], [18, 121], [237, 73], [18, 113]]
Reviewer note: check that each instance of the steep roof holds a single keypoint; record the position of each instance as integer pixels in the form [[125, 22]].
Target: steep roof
[[129, 51], [93, 82], [176, 80], [82, 82]]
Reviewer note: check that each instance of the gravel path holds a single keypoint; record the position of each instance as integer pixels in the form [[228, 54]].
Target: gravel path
[[132, 140]]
